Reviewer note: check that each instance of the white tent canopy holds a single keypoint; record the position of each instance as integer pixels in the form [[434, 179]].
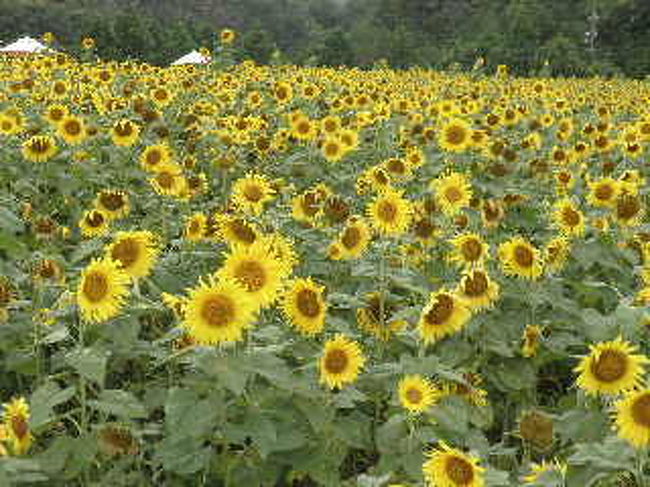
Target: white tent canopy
[[25, 45], [194, 57]]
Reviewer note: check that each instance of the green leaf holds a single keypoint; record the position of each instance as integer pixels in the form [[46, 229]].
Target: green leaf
[[119, 403], [9, 222], [89, 363], [612, 454], [44, 399], [183, 455], [580, 425]]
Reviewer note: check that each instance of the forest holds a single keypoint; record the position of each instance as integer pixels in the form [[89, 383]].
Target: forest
[[533, 37]]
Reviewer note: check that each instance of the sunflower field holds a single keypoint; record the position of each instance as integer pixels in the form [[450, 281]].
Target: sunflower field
[[245, 275]]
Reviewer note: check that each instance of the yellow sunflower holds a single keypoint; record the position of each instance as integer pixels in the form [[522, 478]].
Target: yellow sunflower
[[169, 181], [15, 419], [444, 314], [611, 368], [135, 252], [333, 149], [390, 213], [453, 192], [455, 135], [568, 218], [236, 231], [449, 467], [125, 133], [477, 290], [532, 337], [603, 192], [72, 129], [39, 148], [417, 393], [156, 157], [102, 291], [354, 238], [218, 311], [195, 227], [227, 36], [251, 192], [341, 362], [469, 250], [305, 306], [632, 418], [628, 210], [257, 271], [113, 202], [556, 253], [376, 317], [94, 223], [520, 258]]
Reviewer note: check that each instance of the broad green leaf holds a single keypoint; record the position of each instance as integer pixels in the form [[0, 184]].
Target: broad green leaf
[[89, 363], [119, 403]]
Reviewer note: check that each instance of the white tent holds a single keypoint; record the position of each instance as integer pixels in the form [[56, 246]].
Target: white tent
[[194, 57], [24, 45]]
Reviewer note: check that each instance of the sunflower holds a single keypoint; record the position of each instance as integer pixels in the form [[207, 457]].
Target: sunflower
[[94, 223], [15, 416], [257, 271], [304, 128], [632, 418], [390, 213], [520, 258], [156, 157], [113, 202], [305, 306], [453, 192], [628, 210], [611, 368], [333, 149], [125, 133], [537, 429], [282, 249], [477, 290], [531, 337], [455, 135], [449, 467], [376, 317], [237, 231], [469, 250], [39, 148], [417, 393], [72, 129], [568, 218], [218, 311], [169, 181], [251, 192], [56, 112], [88, 43], [444, 314], [542, 473], [341, 362], [102, 290], [135, 252], [227, 36], [354, 238], [195, 227], [556, 253], [603, 192], [47, 270]]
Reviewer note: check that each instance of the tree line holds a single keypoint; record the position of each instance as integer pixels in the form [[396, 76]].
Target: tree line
[[559, 37]]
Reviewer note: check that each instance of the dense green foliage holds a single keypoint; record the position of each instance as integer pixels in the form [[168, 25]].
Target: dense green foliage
[[437, 33]]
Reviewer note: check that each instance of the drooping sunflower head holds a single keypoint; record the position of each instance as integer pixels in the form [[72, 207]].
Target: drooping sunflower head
[[236, 231], [46, 270], [416, 393], [218, 311], [135, 252], [520, 258], [450, 467], [115, 440], [611, 368], [556, 253], [15, 416], [629, 209], [377, 316], [537, 429], [632, 418], [444, 314], [453, 192], [477, 290], [102, 290], [532, 337], [341, 362], [39, 148], [251, 192], [390, 213], [113, 202], [305, 306], [94, 223]]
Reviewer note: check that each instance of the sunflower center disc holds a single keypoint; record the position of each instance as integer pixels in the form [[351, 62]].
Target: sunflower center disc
[[441, 310], [218, 311], [610, 366], [251, 274], [472, 250], [253, 193], [476, 284], [387, 211], [459, 471], [19, 426], [523, 256], [571, 217], [641, 411], [95, 287], [336, 361], [414, 395], [453, 194], [126, 252], [351, 237], [627, 207], [307, 302]]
